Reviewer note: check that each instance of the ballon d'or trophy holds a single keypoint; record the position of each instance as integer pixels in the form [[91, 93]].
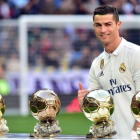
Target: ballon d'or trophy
[[3, 127], [135, 110], [98, 106], [44, 106]]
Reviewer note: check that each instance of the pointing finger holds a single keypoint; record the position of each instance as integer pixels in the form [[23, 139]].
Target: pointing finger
[[80, 86]]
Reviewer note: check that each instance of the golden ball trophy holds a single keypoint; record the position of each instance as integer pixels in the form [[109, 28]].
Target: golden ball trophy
[[135, 110], [3, 127], [44, 106], [98, 106]]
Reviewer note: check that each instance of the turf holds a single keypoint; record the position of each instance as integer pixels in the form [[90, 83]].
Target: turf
[[70, 123]]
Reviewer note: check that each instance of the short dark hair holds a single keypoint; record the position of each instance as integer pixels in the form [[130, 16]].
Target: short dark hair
[[106, 9]]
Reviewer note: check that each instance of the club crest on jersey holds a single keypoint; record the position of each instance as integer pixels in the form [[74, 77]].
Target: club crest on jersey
[[122, 68]]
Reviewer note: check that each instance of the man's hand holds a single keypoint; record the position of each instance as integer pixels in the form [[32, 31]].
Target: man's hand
[[133, 134], [81, 94], [136, 125]]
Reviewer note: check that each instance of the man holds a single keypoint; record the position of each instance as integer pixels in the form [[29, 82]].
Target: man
[[116, 70]]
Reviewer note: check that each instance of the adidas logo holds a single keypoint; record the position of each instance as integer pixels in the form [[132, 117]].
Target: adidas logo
[[101, 74]]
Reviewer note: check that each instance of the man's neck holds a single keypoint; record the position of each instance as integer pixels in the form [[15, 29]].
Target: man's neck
[[110, 48]]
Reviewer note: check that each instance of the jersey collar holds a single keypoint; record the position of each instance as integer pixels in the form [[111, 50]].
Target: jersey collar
[[118, 49]]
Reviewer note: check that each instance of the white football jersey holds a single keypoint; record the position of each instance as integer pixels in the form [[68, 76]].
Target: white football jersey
[[119, 74]]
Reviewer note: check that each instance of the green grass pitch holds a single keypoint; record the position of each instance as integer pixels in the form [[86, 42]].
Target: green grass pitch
[[70, 123]]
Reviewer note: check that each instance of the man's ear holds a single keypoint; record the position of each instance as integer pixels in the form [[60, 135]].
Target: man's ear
[[119, 24]]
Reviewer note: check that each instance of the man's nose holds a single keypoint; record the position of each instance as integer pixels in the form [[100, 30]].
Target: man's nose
[[103, 29]]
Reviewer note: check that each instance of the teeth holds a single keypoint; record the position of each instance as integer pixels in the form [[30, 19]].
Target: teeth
[[103, 35]]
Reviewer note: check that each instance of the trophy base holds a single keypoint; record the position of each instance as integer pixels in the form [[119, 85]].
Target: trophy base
[[49, 128], [102, 130], [3, 127]]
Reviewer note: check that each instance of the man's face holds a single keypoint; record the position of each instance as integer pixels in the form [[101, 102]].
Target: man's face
[[106, 28]]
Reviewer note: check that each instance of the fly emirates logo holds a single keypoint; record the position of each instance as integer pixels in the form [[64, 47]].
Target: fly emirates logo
[[118, 89]]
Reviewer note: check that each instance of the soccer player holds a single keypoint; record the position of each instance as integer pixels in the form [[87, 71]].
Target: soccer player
[[116, 69]]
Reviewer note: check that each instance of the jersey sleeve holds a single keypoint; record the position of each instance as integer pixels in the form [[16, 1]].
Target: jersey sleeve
[[92, 80], [135, 66]]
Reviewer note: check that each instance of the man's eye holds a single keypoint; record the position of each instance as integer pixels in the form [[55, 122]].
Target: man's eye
[[97, 25], [108, 24]]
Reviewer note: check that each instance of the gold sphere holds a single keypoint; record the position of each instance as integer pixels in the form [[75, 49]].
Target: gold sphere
[[2, 106], [135, 106], [44, 104], [98, 106]]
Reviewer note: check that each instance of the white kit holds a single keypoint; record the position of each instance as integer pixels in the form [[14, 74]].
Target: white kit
[[119, 74]]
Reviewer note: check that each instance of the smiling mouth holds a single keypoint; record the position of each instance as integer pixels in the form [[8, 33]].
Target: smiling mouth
[[104, 35]]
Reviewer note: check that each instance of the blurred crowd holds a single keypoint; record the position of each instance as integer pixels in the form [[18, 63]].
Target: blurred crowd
[[62, 49], [66, 48], [15, 8], [54, 48]]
